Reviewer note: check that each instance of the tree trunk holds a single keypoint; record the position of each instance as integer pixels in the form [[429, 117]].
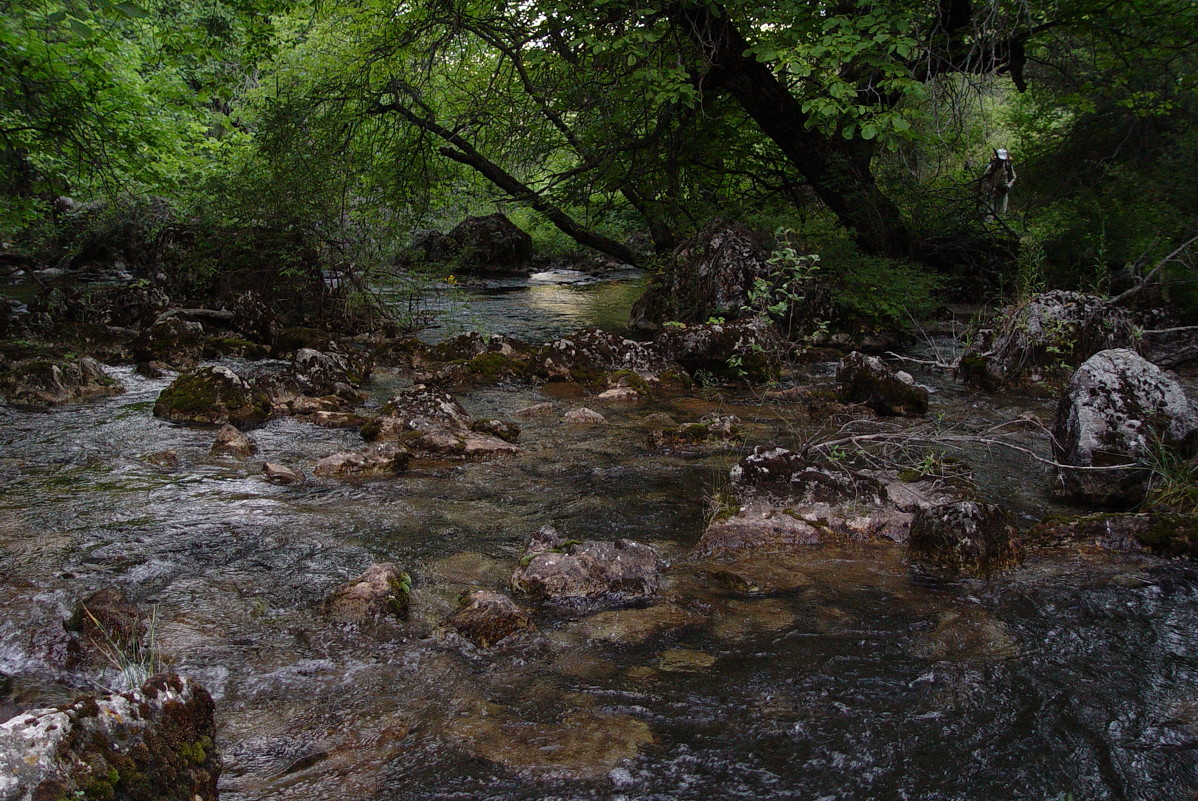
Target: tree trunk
[[837, 169]]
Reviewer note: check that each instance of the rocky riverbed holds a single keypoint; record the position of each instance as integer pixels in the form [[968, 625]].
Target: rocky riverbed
[[639, 650]]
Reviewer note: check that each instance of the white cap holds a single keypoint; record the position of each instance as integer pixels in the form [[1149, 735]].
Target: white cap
[[1002, 153]]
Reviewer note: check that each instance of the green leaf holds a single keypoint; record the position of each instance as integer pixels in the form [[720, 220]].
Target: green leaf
[[132, 11]]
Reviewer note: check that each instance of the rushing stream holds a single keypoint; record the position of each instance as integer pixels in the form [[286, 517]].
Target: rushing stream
[[1073, 677]]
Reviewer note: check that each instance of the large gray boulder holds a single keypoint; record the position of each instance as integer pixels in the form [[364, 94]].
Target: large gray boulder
[[155, 743], [1117, 409], [487, 245]]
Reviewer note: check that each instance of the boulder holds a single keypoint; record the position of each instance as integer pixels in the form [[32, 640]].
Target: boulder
[[155, 743], [232, 442], [490, 245], [546, 409], [1115, 411], [472, 358], [254, 317], [213, 396], [1043, 337], [869, 380], [42, 382], [382, 591], [559, 570], [508, 432], [966, 537], [710, 274], [383, 458], [485, 617], [173, 339], [281, 474]]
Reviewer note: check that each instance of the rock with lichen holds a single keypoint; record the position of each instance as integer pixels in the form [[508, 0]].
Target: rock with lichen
[[1118, 413], [382, 458], [230, 441], [54, 382], [155, 743], [382, 591], [560, 570]]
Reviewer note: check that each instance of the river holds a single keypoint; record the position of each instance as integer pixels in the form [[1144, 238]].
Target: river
[[1074, 677]]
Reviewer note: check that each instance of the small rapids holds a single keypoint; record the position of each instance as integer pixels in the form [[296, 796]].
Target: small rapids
[[1073, 677]]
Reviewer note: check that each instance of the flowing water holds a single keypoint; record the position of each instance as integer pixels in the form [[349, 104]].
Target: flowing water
[[1073, 677]]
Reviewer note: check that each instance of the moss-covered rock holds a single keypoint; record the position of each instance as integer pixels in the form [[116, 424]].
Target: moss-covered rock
[[869, 380], [213, 396], [155, 743], [382, 591], [45, 382], [486, 617], [1167, 534]]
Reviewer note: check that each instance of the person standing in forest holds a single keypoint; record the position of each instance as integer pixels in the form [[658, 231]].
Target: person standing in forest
[[996, 182]]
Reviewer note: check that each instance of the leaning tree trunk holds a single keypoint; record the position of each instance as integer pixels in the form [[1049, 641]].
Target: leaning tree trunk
[[837, 169]]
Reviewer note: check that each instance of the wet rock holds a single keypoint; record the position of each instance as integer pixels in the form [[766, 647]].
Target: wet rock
[[382, 591], [490, 245], [508, 432], [869, 380], [155, 743], [213, 396], [967, 537], [1115, 411], [471, 358], [710, 274], [333, 419], [167, 460], [281, 474], [487, 617], [107, 624], [254, 317], [383, 458], [740, 350], [537, 410], [1167, 534], [555, 569], [584, 417], [41, 382], [231, 441], [777, 500], [1045, 336]]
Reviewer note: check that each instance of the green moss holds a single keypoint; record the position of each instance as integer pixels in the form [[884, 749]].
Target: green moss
[[632, 379], [232, 346], [495, 366], [401, 594], [292, 339]]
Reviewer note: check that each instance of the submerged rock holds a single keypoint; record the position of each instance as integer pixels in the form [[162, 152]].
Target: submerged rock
[[1043, 336], [382, 591], [1167, 534], [231, 441], [213, 396], [107, 624], [1115, 411], [155, 743], [869, 380], [42, 382], [508, 432], [584, 417], [967, 537], [555, 569], [486, 617]]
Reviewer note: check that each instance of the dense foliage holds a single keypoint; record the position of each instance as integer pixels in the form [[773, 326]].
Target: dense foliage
[[332, 132]]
